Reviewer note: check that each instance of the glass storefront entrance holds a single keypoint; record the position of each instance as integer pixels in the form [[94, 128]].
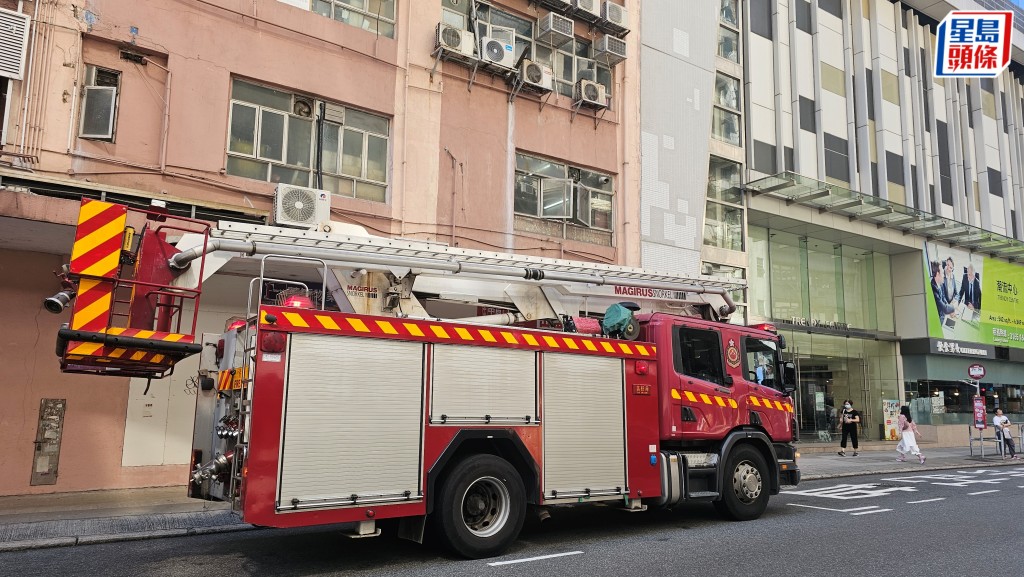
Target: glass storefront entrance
[[832, 369]]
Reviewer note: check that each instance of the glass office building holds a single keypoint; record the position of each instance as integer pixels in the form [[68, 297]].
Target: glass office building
[[834, 304]]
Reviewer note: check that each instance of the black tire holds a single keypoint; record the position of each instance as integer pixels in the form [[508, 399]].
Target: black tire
[[481, 507], [745, 485]]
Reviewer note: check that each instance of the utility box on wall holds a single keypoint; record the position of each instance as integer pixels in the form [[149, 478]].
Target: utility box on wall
[[48, 435]]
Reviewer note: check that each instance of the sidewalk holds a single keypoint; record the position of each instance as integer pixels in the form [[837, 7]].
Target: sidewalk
[[68, 519]]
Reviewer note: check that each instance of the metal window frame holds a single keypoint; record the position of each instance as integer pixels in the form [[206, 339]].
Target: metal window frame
[[256, 156], [91, 93], [727, 206], [575, 186]]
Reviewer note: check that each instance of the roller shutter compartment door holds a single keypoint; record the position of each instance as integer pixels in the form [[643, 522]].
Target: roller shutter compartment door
[[584, 432], [474, 384], [352, 422]]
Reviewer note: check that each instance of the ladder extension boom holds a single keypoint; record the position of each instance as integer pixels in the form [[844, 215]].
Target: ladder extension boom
[[452, 264]]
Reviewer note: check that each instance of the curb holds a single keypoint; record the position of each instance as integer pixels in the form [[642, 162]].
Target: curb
[[118, 537]]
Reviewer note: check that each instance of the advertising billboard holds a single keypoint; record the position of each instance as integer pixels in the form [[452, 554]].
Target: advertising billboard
[[973, 298]]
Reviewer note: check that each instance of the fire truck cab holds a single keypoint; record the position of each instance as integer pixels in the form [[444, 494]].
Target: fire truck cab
[[452, 389]]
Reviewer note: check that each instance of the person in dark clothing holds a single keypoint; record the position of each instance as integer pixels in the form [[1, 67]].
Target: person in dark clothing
[[850, 420], [970, 289], [941, 304]]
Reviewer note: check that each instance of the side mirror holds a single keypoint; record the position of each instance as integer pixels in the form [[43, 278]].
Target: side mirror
[[789, 375], [782, 342], [788, 391]]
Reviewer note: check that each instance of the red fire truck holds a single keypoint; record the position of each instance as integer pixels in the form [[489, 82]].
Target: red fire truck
[[452, 389]]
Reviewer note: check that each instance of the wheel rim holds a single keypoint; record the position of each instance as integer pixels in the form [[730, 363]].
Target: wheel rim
[[746, 482], [485, 506]]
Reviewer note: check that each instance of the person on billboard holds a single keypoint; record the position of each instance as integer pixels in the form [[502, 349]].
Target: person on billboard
[[850, 420], [908, 436], [950, 290], [941, 303], [1004, 432], [970, 289]]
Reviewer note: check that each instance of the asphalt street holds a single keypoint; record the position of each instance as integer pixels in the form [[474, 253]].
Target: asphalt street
[[928, 523]]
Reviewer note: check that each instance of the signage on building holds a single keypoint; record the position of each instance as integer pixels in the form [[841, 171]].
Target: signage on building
[[963, 350], [800, 321], [973, 44], [973, 299], [976, 371], [814, 323], [979, 412]]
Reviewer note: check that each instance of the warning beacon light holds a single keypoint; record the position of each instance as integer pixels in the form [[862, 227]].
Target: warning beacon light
[[298, 302]]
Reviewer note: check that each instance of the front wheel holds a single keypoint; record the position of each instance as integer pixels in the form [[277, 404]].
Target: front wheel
[[481, 507], [745, 487]]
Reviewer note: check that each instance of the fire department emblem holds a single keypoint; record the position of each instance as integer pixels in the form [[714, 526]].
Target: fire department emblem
[[732, 354]]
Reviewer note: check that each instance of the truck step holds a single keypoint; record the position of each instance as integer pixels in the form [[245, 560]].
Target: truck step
[[362, 530], [703, 495]]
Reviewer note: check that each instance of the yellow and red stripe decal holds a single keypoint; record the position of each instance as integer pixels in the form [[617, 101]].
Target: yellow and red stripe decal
[[447, 332], [232, 379], [98, 239], [92, 305], [716, 400], [769, 404], [99, 351]]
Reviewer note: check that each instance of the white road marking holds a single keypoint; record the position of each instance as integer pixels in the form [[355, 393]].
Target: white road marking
[[926, 501], [836, 510], [528, 559], [984, 492], [947, 480], [848, 491], [870, 512]]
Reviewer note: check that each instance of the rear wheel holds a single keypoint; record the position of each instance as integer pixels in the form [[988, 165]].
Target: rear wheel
[[745, 487], [481, 507]]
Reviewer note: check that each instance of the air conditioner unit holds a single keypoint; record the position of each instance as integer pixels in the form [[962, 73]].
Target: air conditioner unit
[[301, 207], [537, 75], [610, 50], [499, 47], [589, 10], [451, 39], [590, 93], [615, 14], [555, 30]]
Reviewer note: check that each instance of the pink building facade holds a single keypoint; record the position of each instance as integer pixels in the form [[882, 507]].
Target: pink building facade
[[209, 104]]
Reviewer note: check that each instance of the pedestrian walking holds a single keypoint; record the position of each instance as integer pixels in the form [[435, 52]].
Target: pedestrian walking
[[850, 420], [908, 439], [1004, 432]]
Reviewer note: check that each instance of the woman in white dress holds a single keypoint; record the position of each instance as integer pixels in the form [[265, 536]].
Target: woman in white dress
[[908, 441]]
